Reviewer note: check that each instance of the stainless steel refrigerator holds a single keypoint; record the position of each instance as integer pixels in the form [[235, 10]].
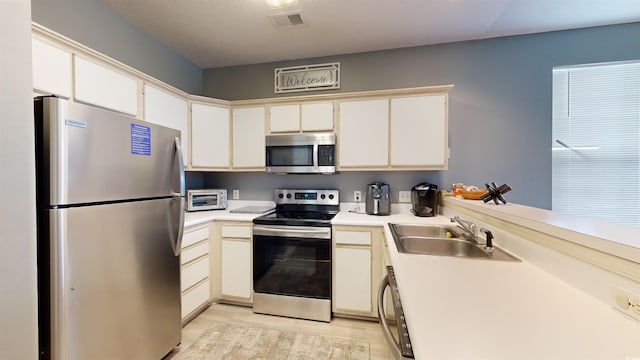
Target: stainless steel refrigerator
[[110, 215]]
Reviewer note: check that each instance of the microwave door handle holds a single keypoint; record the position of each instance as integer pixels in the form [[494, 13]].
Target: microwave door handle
[[315, 157], [386, 330]]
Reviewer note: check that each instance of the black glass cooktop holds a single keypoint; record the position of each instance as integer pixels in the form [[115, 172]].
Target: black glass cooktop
[[297, 218]]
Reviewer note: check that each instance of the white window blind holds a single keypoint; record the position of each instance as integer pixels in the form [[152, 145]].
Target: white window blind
[[596, 141]]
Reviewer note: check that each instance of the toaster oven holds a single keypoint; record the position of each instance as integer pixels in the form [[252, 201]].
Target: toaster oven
[[206, 199]]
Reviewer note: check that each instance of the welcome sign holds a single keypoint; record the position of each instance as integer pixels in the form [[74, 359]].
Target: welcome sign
[[307, 78]]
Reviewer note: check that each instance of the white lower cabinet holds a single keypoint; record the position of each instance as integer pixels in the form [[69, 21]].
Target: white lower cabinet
[[236, 265], [353, 279], [233, 264], [195, 270], [357, 269], [194, 299]]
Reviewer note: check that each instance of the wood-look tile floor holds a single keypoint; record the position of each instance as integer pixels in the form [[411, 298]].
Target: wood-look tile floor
[[362, 330]]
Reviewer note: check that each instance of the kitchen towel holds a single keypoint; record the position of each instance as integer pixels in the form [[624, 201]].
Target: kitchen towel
[[231, 341]]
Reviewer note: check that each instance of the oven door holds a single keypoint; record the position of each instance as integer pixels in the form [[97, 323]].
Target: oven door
[[292, 261]]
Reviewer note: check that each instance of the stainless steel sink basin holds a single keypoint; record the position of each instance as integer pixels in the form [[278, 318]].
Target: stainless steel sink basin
[[436, 231], [442, 240], [439, 246]]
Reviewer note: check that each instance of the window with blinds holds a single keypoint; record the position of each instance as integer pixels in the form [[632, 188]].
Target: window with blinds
[[596, 141]]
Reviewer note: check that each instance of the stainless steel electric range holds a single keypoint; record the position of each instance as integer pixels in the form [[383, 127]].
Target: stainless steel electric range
[[292, 255]]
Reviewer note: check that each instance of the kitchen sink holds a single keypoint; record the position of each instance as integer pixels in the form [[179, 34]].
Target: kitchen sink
[[435, 231], [442, 240], [439, 246]]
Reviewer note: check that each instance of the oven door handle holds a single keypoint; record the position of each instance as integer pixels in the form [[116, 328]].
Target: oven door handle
[[292, 232], [396, 353]]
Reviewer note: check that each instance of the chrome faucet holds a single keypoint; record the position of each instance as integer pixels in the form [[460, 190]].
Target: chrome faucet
[[467, 226], [470, 228]]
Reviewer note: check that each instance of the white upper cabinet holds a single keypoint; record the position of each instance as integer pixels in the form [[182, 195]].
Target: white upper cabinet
[[317, 116], [102, 86], [363, 134], [284, 118], [399, 129], [166, 109], [301, 117], [210, 135], [418, 131], [51, 69], [248, 137]]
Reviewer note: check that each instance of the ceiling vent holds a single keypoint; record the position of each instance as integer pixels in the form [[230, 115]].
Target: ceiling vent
[[288, 20]]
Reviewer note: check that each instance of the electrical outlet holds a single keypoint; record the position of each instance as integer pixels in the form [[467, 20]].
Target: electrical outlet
[[357, 196], [626, 301], [236, 194], [404, 196]]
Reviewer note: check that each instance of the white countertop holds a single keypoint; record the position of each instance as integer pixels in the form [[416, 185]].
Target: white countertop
[[476, 309], [473, 309], [199, 217]]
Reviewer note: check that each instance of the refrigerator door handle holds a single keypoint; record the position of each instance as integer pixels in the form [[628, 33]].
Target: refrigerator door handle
[[178, 242], [177, 245], [180, 159]]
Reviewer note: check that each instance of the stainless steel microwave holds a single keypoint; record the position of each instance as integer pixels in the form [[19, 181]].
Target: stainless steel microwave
[[207, 199], [301, 153]]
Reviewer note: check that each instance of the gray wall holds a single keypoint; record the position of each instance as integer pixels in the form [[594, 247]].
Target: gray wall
[[93, 24], [18, 298], [499, 110], [260, 186]]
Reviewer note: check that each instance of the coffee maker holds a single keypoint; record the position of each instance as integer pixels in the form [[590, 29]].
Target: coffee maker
[[378, 200], [424, 200]]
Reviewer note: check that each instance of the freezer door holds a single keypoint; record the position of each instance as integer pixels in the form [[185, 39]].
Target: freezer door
[[114, 282], [88, 155]]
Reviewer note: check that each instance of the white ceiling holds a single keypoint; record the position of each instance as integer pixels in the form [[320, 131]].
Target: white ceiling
[[215, 33]]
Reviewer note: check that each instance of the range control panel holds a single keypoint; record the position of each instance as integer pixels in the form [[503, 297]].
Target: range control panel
[[314, 197]]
